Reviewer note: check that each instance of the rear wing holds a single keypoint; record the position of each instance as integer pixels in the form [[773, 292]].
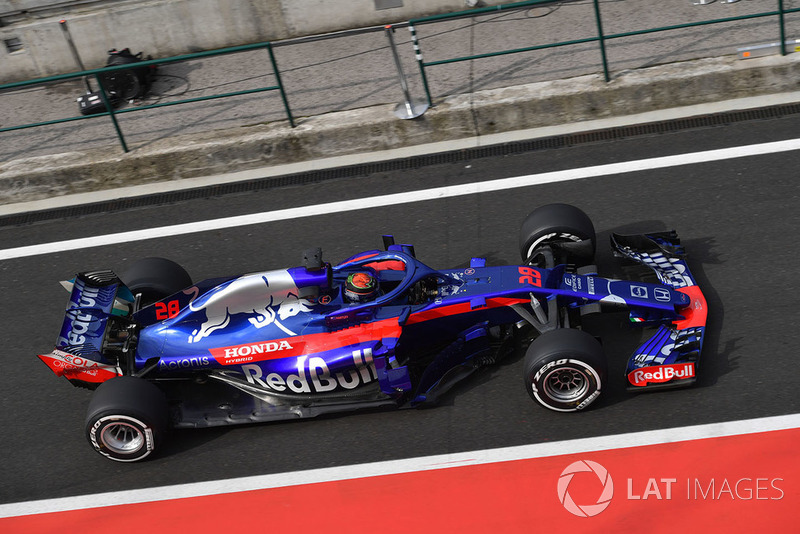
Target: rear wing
[[78, 355], [669, 357]]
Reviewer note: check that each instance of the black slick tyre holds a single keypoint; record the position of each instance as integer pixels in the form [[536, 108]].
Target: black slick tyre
[[155, 278], [127, 419], [565, 370], [558, 223]]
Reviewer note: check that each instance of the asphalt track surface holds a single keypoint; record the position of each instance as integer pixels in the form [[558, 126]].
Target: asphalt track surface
[[738, 218]]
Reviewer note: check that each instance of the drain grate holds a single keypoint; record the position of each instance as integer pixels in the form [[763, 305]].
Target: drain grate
[[416, 162]]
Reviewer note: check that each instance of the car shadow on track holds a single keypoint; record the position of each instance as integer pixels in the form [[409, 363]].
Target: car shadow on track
[[181, 441]]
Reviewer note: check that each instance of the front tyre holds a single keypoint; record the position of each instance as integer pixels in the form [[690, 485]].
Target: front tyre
[[565, 370], [561, 226], [127, 419]]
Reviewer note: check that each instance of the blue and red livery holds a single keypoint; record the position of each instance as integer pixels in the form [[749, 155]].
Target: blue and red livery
[[378, 329]]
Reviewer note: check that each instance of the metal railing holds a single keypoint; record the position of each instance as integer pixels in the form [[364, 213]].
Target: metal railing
[[111, 113], [600, 38]]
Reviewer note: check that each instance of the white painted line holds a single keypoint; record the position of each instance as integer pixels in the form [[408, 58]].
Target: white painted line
[[421, 195], [409, 465]]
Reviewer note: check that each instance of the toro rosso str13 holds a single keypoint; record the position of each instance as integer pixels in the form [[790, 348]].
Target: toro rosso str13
[[380, 328]]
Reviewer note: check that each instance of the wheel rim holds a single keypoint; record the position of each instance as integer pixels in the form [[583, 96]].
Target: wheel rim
[[122, 438], [565, 384], [554, 237]]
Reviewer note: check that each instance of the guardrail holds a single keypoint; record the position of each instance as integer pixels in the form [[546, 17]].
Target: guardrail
[[600, 38], [111, 113]]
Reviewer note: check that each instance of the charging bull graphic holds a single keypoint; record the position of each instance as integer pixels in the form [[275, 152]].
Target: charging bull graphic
[[258, 295]]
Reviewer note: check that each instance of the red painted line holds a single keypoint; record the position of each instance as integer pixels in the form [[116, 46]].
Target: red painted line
[[740, 483]]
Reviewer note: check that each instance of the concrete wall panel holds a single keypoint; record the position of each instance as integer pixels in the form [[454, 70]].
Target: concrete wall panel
[[164, 28]]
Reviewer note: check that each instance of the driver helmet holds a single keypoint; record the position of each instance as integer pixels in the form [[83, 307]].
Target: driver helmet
[[360, 287]]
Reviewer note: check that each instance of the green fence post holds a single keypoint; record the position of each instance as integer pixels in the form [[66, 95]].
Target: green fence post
[[280, 84], [110, 109], [601, 39], [418, 55]]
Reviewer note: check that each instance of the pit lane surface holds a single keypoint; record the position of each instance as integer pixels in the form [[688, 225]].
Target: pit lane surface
[[737, 217]]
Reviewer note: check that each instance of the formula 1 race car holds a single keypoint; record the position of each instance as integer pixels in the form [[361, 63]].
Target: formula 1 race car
[[380, 328]]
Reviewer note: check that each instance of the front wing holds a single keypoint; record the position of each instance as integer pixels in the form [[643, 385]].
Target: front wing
[[669, 358]]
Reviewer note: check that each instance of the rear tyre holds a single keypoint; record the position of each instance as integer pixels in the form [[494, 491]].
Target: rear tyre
[[155, 279], [565, 370], [127, 419], [554, 224]]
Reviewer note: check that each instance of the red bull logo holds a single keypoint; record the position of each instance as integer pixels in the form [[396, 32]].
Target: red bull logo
[[268, 298], [660, 374], [314, 376]]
